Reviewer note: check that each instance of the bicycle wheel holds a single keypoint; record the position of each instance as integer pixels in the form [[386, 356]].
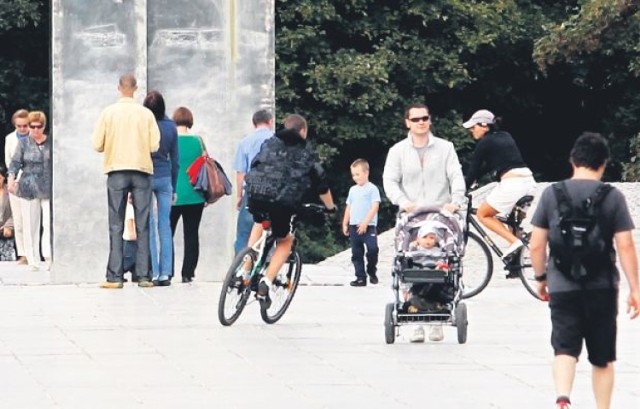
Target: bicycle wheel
[[234, 293], [283, 289], [477, 266], [525, 271]]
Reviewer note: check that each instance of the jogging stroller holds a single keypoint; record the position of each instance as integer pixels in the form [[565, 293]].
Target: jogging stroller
[[426, 284]]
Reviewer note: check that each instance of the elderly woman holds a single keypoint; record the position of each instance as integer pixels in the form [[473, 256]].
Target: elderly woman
[[33, 157]]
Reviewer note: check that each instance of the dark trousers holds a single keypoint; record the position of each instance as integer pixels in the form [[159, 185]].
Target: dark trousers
[[119, 184], [358, 242], [191, 216]]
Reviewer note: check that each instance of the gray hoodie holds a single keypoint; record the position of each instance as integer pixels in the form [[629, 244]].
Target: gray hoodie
[[436, 181]]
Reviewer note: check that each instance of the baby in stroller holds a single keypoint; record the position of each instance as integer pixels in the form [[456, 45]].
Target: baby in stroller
[[426, 252], [428, 243]]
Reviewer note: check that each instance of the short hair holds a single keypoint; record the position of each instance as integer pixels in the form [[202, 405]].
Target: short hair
[[38, 116], [295, 122], [183, 117], [590, 150], [3, 171], [127, 81], [21, 113], [261, 117], [155, 102], [361, 162], [414, 106]]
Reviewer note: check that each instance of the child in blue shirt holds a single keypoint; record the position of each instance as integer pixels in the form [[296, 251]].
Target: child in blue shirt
[[360, 221]]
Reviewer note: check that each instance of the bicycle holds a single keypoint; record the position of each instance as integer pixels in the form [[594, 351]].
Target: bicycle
[[239, 283], [478, 261]]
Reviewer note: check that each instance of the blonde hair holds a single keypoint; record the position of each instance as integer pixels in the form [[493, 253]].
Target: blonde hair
[[38, 116], [361, 162]]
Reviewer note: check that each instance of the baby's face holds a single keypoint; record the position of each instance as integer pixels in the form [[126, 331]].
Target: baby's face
[[428, 241]]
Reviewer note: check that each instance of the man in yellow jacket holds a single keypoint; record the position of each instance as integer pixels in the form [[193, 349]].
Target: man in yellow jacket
[[127, 134]]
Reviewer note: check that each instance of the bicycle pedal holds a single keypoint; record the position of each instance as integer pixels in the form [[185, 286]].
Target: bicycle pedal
[[512, 274]]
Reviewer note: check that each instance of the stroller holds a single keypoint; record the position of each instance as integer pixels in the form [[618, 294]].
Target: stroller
[[426, 284]]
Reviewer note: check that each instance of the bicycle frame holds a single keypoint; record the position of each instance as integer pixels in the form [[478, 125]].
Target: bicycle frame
[[513, 226]]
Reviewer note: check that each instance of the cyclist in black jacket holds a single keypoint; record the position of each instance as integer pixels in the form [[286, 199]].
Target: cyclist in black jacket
[[281, 175], [497, 151]]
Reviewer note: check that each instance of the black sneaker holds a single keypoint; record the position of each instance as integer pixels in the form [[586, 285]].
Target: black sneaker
[[373, 279], [359, 282], [263, 295]]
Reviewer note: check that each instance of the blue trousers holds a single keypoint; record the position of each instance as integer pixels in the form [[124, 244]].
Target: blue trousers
[[358, 243], [160, 229], [243, 226]]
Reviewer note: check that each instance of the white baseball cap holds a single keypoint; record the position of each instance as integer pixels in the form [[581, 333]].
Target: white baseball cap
[[427, 228], [480, 117]]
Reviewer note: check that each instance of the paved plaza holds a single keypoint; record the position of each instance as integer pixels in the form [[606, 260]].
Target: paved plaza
[[78, 346]]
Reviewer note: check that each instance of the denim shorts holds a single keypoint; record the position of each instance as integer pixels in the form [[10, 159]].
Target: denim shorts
[[588, 315]]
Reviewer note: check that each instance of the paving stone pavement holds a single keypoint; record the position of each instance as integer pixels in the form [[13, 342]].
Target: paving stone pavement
[[78, 346]]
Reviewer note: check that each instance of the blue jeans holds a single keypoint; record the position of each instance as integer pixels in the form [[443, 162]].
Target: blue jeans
[[119, 184], [358, 242], [244, 225], [160, 226]]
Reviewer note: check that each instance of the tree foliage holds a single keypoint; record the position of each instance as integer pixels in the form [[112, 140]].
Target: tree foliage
[[24, 57], [351, 67]]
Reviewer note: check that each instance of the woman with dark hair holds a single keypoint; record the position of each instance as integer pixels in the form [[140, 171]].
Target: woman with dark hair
[[163, 184], [189, 203], [497, 151]]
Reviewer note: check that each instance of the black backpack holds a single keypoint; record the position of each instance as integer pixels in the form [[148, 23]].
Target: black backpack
[[580, 244], [280, 173]]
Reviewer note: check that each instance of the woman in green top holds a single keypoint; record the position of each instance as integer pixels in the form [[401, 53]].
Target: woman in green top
[[188, 203]]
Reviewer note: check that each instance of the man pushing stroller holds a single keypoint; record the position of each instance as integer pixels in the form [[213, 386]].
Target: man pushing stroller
[[423, 170]]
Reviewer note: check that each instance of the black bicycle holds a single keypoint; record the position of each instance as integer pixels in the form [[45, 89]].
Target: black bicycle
[[478, 261], [250, 265]]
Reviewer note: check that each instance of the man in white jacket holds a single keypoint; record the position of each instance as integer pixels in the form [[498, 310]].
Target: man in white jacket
[[423, 170], [21, 122]]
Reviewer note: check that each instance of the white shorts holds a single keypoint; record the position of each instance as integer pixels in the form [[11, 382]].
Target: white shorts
[[504, 196]]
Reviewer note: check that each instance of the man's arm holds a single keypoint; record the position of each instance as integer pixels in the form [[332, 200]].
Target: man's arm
[[538, 250], [392, 180], [239, 187], [327, 199], [99, 134], [154, 134], [629, 262]]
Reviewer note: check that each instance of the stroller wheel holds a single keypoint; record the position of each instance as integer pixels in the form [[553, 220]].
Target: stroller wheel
[[389, 326], [461, 322]]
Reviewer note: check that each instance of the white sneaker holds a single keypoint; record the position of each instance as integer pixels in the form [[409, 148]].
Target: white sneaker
[[515, 246], [436, 333], [418, 335]]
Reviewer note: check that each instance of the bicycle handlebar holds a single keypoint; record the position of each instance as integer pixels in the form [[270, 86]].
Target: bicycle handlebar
[[320, 208]]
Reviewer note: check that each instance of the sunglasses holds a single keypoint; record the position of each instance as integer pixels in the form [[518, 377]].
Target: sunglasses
[[36, 126], [421, 118]]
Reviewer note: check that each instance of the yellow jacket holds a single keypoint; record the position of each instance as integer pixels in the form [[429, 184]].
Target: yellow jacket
[[127, 133]]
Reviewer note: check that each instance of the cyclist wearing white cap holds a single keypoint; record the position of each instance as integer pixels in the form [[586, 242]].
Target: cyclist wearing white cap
[[497, 151]]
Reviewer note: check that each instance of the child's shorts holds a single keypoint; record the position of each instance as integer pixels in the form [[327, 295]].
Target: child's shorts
[[590, 315]]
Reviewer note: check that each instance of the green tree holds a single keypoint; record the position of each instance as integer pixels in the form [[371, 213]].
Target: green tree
[[598, 45], [24, 57], [351, 66]]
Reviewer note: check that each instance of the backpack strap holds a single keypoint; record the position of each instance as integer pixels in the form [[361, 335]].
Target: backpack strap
[[592, 203], [563, 199], [592, 206]]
